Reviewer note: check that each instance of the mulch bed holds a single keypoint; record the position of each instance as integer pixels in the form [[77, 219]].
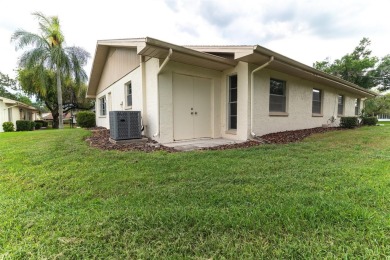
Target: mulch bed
[[296, 135], [100, 139]]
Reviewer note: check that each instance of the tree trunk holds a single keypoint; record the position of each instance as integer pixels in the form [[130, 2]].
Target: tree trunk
[[55, 119], [59, 98]]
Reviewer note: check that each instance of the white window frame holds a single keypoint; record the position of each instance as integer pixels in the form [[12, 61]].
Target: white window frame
[[283, 97], [103, 106], [317, 113], [342, 105], [231, 103], [128, 86]]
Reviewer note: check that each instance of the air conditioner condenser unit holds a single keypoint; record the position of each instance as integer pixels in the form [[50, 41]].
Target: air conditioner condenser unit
[[125, 125]]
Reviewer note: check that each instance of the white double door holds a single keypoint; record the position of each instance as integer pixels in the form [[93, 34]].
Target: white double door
[[191, 107]]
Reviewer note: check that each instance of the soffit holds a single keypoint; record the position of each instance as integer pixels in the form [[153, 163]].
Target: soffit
[[97, 68]]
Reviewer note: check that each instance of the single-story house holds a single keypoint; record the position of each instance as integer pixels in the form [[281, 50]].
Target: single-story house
[[11, 111], [65, 116], [234, 92]]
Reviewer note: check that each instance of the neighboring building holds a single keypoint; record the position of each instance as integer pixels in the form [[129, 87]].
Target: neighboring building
[[11, 111], [383, 117], [66, 117], [234, 92]]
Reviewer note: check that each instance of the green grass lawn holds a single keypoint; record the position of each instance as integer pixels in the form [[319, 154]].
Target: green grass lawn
[[326, 197], [386, 123]]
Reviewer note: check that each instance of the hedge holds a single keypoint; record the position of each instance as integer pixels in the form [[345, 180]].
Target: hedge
[[38, 125], [348, 122], [43, 123], [24, 125], [8, 127], [372, 120], [86, 119]]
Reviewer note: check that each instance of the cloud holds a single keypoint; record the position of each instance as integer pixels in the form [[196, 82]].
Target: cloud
[[217, 14], [302, 29], [172, 4]]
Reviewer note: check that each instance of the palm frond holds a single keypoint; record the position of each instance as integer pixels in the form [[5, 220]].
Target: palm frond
[[24, 39], [34, 57], [78, 59], [50, 29]]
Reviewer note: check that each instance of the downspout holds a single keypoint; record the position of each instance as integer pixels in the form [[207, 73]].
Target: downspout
[[144, 93], [252, 87], [158, 91]]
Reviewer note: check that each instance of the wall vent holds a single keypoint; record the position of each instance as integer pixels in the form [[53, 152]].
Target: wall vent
[[125, 125]]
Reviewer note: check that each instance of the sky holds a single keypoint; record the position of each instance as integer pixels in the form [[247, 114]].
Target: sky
[[304, 30]]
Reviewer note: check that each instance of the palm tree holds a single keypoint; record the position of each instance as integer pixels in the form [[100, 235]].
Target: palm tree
[[46, 51]]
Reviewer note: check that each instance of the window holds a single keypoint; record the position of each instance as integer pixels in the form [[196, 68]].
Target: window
[[340, 105], [316, 103], [102, 103], [129, 95], [9, 114], [277, 96], [357, 106], [232, 106]]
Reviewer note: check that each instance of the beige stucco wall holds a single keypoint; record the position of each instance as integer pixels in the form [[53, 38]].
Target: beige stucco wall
[[117, 102], [157, 111], [3, 115], [299, 104], [151, 70], [120, 61], [15, 115], [243, 105]]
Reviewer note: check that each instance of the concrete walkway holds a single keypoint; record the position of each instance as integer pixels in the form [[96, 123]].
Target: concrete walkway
[[197, 144]]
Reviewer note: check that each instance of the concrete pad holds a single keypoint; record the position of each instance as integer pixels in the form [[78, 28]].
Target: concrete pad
[[190, 145], [129, 141]]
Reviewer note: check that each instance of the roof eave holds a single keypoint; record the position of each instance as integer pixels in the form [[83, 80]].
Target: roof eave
[[188, 51], [308, 69], [101, 51]]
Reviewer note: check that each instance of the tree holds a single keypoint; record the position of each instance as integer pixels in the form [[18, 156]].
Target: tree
[[73, 95], [6, 82], [46, 53], [378, 105], [383, 74], [359, 67]]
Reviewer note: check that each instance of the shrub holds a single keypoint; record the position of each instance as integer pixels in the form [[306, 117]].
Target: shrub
[[24, 125], [371, 120], [42, 122], [86, 119], [38, 125], [8, 127], [348, 122], [32, 125]]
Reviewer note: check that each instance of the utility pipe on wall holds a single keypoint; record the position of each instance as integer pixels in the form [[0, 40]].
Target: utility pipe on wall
[[252, 89], [158, 91]]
